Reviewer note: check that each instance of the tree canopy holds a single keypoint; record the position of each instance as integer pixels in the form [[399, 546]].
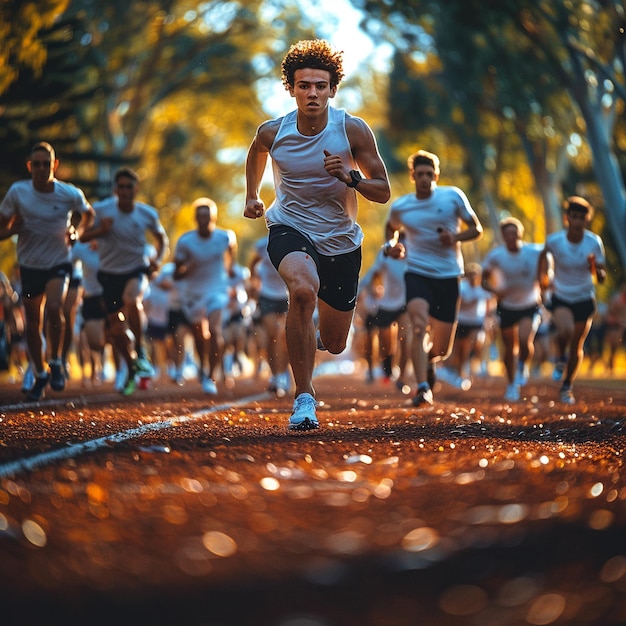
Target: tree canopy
[[522, 100]]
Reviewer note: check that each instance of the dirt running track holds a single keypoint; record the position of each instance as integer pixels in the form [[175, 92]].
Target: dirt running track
[[173, 508]]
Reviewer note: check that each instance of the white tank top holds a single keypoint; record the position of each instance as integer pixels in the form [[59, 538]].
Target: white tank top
[[308, 198]]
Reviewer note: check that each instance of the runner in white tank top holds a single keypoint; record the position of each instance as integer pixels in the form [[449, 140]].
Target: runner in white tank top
[[314, 239]]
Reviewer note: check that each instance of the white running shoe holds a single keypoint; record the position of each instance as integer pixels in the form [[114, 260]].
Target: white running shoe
[[303, 416], [209, 386], [512, 393]]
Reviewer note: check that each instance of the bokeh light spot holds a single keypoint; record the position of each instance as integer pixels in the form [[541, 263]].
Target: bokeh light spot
[[34, 533], [219, 543], [420, 539], [546, 609], [270, 484]]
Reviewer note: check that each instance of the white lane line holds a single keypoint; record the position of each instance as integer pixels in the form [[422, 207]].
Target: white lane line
[[12, 468]]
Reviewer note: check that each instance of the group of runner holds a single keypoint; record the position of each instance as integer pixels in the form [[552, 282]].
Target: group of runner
[[323, 159]]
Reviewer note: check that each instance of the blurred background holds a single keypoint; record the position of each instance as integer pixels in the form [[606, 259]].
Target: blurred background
[[523, 101]]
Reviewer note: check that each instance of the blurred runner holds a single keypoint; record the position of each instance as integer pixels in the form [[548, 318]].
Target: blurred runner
[[271, 295], [510, 272], [436, 221], [121, 225], [40, 210], [578, 259], [203, 258]]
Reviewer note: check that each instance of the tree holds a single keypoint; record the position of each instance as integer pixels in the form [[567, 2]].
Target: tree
[[20, 44], [520, 57]]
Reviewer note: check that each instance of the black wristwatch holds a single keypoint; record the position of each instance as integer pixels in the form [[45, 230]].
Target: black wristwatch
[[355, 178]]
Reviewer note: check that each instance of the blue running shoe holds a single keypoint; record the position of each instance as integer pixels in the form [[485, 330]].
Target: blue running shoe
[[303, 416]]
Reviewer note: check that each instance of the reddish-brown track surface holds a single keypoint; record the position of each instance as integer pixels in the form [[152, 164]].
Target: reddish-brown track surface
[[171, 507]]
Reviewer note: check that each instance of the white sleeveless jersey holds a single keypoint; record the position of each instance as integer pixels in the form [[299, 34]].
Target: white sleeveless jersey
[[42, 238], [272, 285], [307, 198], [123, 248], [572, 278], [516, 273], [446, 208]]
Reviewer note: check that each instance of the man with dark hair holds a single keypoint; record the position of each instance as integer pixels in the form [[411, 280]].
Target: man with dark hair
[[40, 211], [435, 220], [121, 223], [577, 258], [314, 238]]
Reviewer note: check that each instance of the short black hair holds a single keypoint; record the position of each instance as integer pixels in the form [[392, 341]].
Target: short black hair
[[422, 157], [580, 205], [44, 146], [127, 172]]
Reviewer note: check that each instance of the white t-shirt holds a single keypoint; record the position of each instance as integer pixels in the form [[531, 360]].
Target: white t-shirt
[[392, 273], [87, 255], [446, 208], [42, 238], [516, 275], [204, 287], [272, 284], [473, 301], [123, 248], [572, 278]]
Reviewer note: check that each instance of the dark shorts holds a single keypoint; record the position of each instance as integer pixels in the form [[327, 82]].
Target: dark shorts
[[113, 286], [268, 306], [234, 320], [581, 311], [442, 295], [176, 320], [463, 331], [383, 318], [153, 331], [511, 317], [93, 308], [34, 281], [339, 275]]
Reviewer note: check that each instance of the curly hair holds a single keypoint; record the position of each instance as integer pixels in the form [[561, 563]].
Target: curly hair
[[312, 54]]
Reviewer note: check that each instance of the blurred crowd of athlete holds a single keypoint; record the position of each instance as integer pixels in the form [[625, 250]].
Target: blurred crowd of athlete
[[100, 295]]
